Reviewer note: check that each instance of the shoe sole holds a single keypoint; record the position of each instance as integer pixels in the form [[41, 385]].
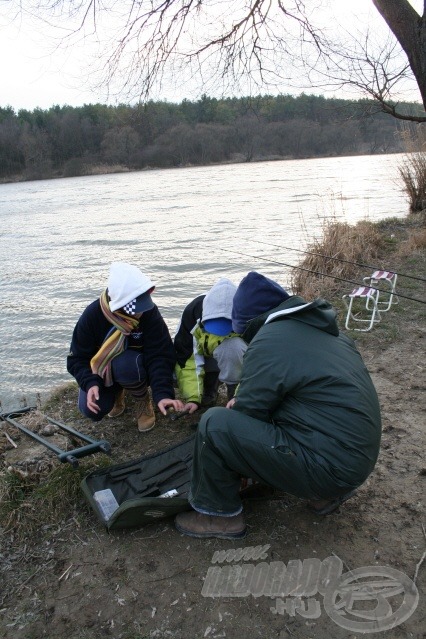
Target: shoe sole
[[117, 414], [146, 430], [206, 535]]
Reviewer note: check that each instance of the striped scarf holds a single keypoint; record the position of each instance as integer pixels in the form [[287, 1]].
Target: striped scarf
[[114, 342]]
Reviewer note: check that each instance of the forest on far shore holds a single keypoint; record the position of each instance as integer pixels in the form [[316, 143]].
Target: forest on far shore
[[65, 141]]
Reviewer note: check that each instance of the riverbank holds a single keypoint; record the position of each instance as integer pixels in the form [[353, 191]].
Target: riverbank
[[70, 140], [63, 575], [83, 169]]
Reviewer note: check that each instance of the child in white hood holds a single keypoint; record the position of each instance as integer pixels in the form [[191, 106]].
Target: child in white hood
[[121, 343]]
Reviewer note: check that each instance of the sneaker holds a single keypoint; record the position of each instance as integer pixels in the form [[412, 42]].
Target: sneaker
[[196, 524], [119, 405], [145, 414]]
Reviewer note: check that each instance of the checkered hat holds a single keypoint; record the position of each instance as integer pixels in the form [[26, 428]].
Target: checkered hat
[[140, 304], [130, 308]]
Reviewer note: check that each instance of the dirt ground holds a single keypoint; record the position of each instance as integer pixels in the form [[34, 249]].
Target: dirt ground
[[74, 580]]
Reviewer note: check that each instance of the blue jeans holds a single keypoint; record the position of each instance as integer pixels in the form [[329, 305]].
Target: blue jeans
[[128, 371]]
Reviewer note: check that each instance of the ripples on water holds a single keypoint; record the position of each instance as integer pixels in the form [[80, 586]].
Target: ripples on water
[[184, 227]]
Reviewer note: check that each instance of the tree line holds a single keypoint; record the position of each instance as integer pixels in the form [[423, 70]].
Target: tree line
[[68, 141]]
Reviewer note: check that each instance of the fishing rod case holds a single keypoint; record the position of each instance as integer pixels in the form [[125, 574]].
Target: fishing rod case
[[144, 490]]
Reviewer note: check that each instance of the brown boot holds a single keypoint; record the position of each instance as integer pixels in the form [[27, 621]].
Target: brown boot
[[119, 405], [196, 524], [145, 414]]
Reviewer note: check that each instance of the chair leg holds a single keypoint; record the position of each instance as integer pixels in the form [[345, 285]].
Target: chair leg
[[374, 310], [381, 281]]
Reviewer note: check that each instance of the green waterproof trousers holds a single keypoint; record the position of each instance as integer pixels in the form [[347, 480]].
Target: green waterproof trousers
[[230, 445]]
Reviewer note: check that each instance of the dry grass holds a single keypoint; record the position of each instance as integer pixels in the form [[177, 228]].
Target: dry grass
[[36, 492], [412, 169], [31, 502], [416, 242], [413, 176], [362, 244]]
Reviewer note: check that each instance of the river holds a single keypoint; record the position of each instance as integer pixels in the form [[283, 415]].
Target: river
[[184, 227]]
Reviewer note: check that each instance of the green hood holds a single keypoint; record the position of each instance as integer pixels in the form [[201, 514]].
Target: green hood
[[320, 314]]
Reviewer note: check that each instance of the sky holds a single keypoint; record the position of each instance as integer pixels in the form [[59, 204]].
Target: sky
[[35, 73]]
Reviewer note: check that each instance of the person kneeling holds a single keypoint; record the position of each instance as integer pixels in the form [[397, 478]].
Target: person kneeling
[[121, 343], [305, 419]]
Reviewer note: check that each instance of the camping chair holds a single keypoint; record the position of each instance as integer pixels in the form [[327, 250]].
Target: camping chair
[[367, 312], [389, 279]]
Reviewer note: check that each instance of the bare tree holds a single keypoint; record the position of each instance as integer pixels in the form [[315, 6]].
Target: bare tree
[[249, 43], [370, 67], [409, 28]]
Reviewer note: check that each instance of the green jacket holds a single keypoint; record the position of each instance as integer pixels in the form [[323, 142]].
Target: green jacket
[[190, 376], [300, 373]]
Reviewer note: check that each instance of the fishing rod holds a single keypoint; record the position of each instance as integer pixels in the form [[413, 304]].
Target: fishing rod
[[334, 277], [338, 259]]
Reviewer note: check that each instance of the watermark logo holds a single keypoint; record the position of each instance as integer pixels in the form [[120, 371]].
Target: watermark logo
[[364, 600], [349, 599]]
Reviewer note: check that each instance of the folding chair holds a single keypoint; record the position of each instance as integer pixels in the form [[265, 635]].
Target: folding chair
[[367, 312], [389, 278]]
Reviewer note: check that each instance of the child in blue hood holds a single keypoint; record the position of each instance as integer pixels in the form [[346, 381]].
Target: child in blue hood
[[208, 350]]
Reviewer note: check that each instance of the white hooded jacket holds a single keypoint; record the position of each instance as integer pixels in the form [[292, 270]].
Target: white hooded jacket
[[125, 283]]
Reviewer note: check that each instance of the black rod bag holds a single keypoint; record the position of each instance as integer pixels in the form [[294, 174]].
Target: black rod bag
[[144, 490]]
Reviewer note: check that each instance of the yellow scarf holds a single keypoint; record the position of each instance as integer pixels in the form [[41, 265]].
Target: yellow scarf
[[115, 341]]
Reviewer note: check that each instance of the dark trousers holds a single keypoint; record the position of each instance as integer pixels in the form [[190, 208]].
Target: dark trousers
[[230, 445], [128, 371]]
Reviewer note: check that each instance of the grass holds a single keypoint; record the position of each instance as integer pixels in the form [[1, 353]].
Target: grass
[[412, 170], [62, 402], [413, 176], [394, 243], [334, 257], [32, 503], [343, 247]]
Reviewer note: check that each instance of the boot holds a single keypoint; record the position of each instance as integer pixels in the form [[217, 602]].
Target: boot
[[211, 387], [119, 404], [145, 414], [196, 524]]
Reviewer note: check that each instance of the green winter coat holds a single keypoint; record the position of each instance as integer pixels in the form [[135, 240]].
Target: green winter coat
[[300, 373], [190, 377]]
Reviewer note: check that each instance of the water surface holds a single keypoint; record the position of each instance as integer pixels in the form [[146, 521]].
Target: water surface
[[184, 227]]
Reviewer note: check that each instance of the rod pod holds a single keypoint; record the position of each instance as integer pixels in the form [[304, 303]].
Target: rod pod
[[64, 456]]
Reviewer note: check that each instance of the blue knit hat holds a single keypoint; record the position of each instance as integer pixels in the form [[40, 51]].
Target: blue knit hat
[[255, 295]]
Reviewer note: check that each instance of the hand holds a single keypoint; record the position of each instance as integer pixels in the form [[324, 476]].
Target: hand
[[231, 402], [164, 404], [190, 407], [92, 399]]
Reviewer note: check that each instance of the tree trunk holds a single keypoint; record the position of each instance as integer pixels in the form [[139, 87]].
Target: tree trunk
[[410, 30]]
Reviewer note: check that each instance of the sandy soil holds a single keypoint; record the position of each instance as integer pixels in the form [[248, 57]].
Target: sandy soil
[[75, 580]]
